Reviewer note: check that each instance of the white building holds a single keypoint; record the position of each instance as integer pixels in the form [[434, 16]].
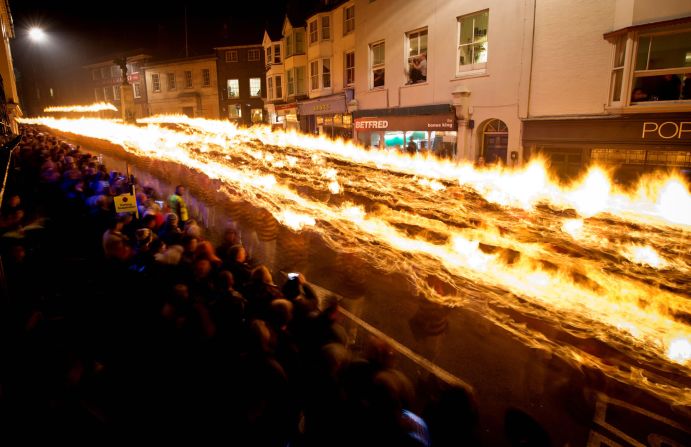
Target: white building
[[275, 76], [611, 83], [447, 75]]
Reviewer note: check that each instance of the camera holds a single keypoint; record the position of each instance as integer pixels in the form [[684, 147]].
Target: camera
[[293, 275]]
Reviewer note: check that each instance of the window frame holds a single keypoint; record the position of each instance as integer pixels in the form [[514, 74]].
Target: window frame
[[254, 55], [348, 22], [232, 56], [270, 87], [418, 32], [314, 75], [373, 67], [347, 68], [278, 86], [156, 82], [327, 27], [259, 92], [313, 31], [171, 81], [206, 77], [137, 89], [277, 46], [474, 67], [229, 87], [188, 79]]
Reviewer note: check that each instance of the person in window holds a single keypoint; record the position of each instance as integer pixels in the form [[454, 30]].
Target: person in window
[[411, 148], [639, 95], [418, 69], [686, 88], [668, 88]]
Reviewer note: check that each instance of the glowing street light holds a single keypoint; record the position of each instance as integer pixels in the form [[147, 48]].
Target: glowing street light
[[36, 34]]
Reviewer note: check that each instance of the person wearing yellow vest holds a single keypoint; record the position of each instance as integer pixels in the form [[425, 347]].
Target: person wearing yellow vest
[[177, 204]]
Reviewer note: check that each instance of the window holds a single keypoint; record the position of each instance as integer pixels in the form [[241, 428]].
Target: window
[[326, 28], [618, 68], [270, 87], [231, 56], [253, 54], [314, 75], [171, 81], [348, 19], [104, 72], [299, 42], [137, 89], [115, 71], [377, 64], [255, 87], [349, 65], [116, 92], [268, 55], [289, 45], [313, 31], [257, 115], [155, 82], [235, 111], [277, 53], [188, 79], [417, 56], [233, 88], [107, 93], [300, 83], [662, 70], [279, 87], [326, 73], [97, 94], [206, 77], [472, 41], [291, 81]]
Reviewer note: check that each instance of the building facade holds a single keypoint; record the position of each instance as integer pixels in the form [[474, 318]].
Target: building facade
[[275, 97], [331, 72], [444, 77], [241, 83], [10, 99], [186, 86], [105, 79], [631, 108]]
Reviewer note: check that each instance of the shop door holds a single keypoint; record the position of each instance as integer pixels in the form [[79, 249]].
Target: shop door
[[495, 141]]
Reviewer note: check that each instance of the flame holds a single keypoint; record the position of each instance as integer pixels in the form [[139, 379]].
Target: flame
[[644, 254], [95, 107], [495, 235]]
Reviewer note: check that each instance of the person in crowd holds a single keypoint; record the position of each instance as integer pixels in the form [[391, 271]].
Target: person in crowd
[[177, 204]]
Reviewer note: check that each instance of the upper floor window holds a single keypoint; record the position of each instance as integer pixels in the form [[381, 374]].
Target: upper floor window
[[279, 87], [417, 56], [231, 56], [115, 71], [116, 92], [296, 81], [618, 68], [137, 89], [377, 68], [253, 54], [295, 43], [233, 88], [155, 82], [255, 87], [326, 27], [171, 81], [268, 55], [270, 87], [313, 31], [188, 79], [472, 41], [349, 65], [206, 77], [662, 67], [348, 19], [277, 53]]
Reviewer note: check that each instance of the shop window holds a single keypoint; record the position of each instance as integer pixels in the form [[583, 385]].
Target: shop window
[[472, 42], [235, 111], [257, 115], [377, 64], [417, 56]]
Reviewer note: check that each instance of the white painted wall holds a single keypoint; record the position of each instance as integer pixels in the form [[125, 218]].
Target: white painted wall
[[495, 94]]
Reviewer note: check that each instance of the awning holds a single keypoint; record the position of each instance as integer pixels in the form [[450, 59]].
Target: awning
[[411, 122]]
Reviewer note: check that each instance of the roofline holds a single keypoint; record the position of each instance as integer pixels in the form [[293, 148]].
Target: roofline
[[645, 26], [233, 47], [212, 57]]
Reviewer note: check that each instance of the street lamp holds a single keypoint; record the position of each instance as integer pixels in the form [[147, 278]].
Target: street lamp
[[36, 34]]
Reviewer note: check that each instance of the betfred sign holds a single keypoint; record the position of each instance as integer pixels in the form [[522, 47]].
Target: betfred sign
[[409, 122]]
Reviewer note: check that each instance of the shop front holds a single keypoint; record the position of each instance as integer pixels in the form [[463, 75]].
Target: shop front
[[432, 134], [327, 116], [286, 117], [631, 145]]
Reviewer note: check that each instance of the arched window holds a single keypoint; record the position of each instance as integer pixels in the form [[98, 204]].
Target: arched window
[[495, 140]]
